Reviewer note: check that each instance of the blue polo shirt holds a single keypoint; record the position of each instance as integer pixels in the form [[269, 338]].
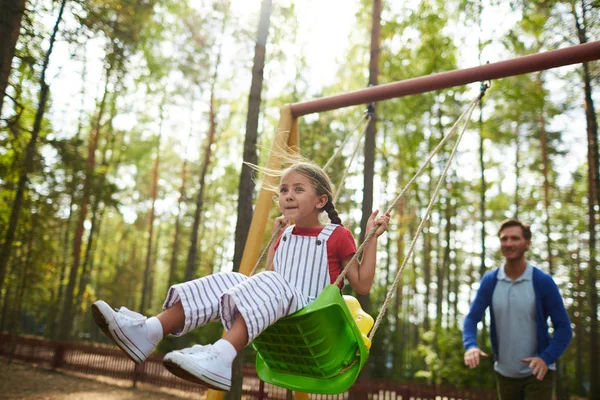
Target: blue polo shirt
[[548, 304], [516, 328]]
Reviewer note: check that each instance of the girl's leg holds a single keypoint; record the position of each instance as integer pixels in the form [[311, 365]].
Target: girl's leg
[[237, 335], [246, 309], [257, 303], [199, 299], [188, 305], [172, 319], [197, 302]]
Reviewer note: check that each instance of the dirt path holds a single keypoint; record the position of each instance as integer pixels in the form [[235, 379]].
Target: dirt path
[[23, 381]]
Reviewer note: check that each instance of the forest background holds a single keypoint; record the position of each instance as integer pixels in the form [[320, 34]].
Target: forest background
[[124, 124]]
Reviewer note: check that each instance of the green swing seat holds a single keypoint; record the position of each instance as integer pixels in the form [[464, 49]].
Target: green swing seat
[[318, 349]]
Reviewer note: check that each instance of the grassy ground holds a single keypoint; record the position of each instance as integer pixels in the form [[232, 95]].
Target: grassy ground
[[25, 381]]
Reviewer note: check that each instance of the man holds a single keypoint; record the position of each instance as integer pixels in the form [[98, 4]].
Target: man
[[521, 298]]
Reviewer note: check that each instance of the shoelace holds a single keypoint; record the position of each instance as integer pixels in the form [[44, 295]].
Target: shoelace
[[202, 352], [131, 316]]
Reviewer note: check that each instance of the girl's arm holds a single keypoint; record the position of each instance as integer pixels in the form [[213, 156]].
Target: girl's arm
[[280, 224], [361, 275]]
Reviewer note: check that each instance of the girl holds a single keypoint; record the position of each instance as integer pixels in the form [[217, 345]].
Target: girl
[[308, 256]]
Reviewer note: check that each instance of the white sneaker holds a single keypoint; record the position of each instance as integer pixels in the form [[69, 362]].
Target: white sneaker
[[126, 328], [200, 364]]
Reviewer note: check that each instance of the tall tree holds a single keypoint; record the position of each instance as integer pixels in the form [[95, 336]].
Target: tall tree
[[22, 288], [591, 119], [11, 15], [482, 197], [246, 185], [146, 287], [122, 27], [101, 197], [369, 152], [30, 152], [72, 188], [190, 268], [180, 200], [90, 170]]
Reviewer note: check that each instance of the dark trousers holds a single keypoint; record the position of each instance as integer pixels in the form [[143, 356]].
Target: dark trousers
[[528, 388]]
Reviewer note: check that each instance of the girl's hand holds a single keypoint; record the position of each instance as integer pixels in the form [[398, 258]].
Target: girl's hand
[[382, 223], [280, 224]]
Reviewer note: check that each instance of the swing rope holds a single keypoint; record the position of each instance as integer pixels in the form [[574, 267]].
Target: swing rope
[[463, 119], [367, 116], [369, 113], [420, 229]]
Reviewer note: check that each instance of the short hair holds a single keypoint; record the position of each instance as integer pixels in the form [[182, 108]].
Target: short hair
[[515, 222]]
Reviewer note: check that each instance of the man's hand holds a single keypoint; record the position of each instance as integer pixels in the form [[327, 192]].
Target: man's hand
[[472, 357], [538, 366]]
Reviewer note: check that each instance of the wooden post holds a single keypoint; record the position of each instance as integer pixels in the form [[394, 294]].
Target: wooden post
[[59, 355]]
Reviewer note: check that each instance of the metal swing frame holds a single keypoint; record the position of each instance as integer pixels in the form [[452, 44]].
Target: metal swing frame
[[287, 135]]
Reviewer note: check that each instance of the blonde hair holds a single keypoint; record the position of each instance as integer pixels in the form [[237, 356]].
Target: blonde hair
[[317, 176]]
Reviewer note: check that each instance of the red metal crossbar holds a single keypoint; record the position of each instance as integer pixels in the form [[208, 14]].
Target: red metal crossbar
[[517, 66]]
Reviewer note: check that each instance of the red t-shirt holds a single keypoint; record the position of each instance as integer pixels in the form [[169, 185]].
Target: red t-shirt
[[340, 246]]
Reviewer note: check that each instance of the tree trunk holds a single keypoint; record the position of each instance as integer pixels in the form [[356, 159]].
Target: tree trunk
[[95, 225], [152, 276], [427, 268], [190, 268], [14, 272], [94, 137], [545, 177], [546, 181], [369, 166], [21, 290], [11, 14], [592, 277], [482, 200], [449, 278], [246, 185], [443, 267], [175, 246], [146, 293], [97, 217], [52, 330], [455, 288], [517, 170], [578, 289], [398, 350], [593, 200], [6, 302], [30, 151], [369, 153]]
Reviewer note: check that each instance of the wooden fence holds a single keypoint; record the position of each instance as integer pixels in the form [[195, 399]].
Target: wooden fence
[[109, 361]]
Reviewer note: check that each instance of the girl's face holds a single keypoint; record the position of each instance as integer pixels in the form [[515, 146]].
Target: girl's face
[[299, 201]]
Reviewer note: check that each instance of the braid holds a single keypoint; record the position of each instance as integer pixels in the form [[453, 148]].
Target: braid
[[332, 213]]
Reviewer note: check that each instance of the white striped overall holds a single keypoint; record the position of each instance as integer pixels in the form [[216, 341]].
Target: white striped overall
[[301, 273]]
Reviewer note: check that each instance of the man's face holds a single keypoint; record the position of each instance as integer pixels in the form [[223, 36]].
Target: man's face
[[512, 243]]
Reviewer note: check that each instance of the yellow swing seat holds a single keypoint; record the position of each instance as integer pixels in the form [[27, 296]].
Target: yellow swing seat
[[319, 349]]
